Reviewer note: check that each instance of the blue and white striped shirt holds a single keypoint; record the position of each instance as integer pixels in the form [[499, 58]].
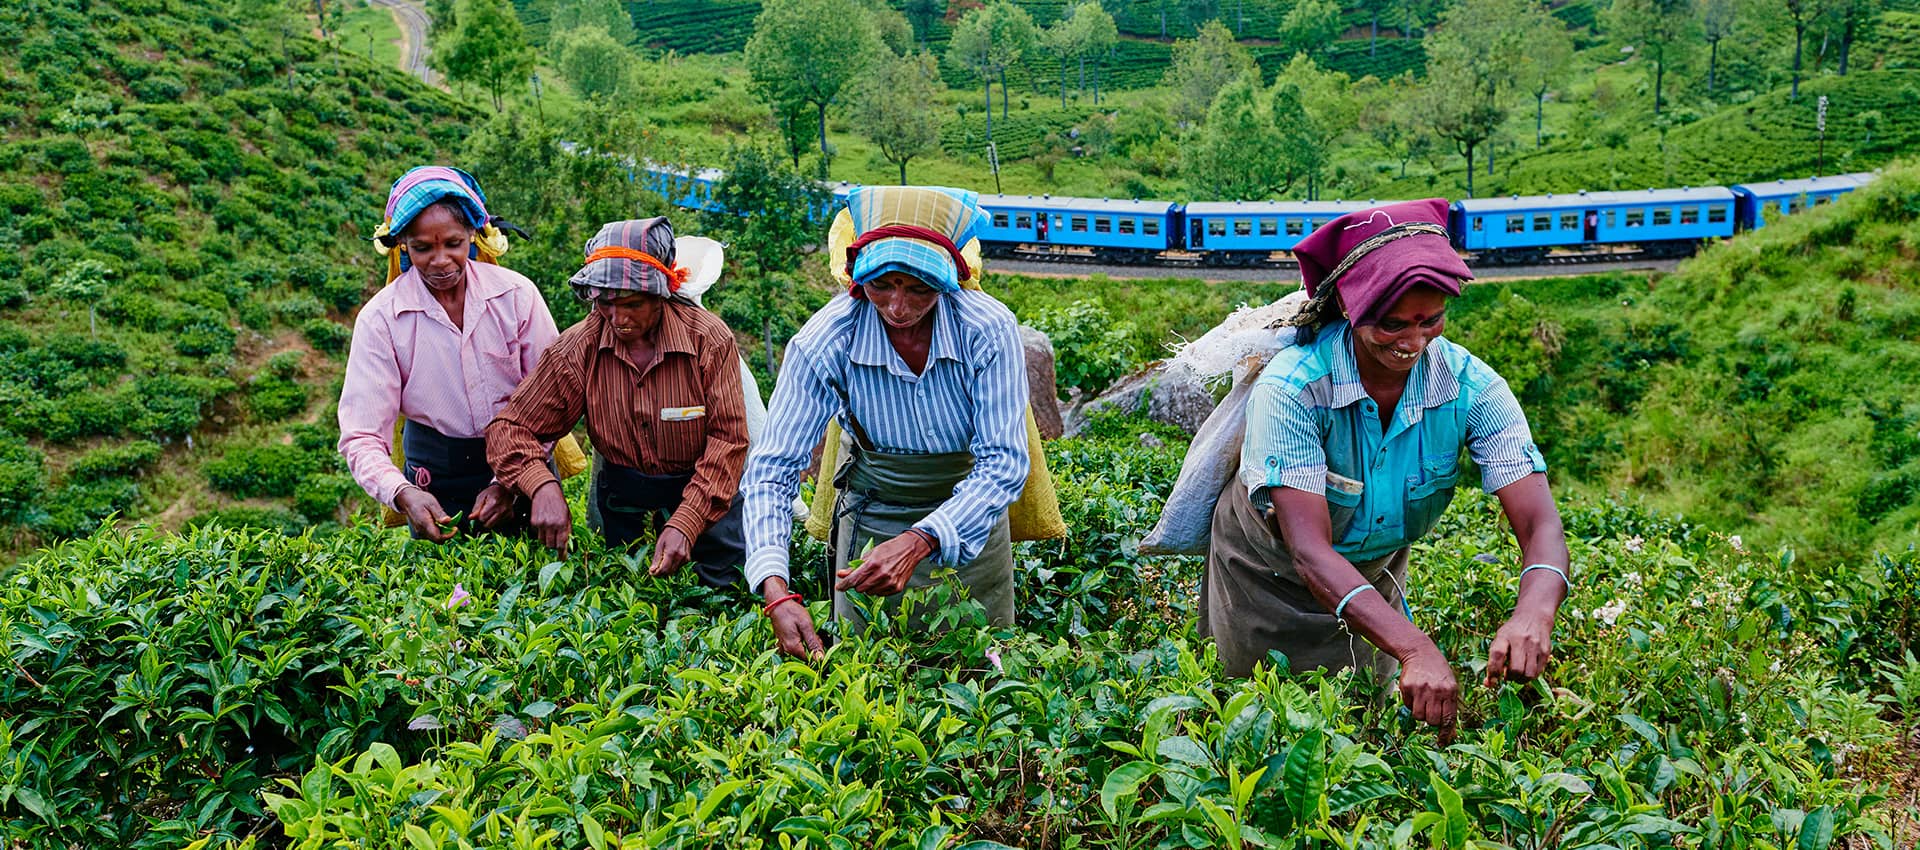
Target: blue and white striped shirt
[[972, 398], [1311, 426]]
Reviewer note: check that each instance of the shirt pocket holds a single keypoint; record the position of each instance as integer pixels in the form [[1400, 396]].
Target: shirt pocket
[[1428, 500], [1341, 508], [680, 442], [500, 375]]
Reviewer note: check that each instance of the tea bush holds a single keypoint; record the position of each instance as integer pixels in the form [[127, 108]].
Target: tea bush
[[267, 470]]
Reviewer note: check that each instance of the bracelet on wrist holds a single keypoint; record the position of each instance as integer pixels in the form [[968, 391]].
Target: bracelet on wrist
[[1340, 610], [779, 601], [1556, 571], [933, 543]]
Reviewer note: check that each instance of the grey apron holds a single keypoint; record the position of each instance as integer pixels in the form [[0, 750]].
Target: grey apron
[[882, 494], [1253, 600]]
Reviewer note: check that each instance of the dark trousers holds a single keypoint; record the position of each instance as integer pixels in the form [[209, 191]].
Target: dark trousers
[[631, 503], [454, 470]]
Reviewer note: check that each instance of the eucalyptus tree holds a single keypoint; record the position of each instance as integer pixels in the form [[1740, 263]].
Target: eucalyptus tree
[[1548, 54], [808, 52], [989, 40], [1659, 29], [891, 108], [1473, 64], [489, 47], [1202, 66]]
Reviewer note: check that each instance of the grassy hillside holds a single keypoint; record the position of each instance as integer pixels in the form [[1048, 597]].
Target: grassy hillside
[[1767, 387], [186, 194]]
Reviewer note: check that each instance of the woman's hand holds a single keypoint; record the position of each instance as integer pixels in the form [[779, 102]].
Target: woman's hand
[[1520, 649], [792, 625], [886, 570], [1429, 688], [551, 522], [670, 552], [492, 505], [424, 514]]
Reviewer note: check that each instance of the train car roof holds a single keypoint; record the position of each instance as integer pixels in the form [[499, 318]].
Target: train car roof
[[1692, 194], [1080, 205], [1805, 185], [1278, 207]]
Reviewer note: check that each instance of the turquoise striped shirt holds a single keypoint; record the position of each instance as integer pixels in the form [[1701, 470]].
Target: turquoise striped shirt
[[972, 397], [1311, 426]]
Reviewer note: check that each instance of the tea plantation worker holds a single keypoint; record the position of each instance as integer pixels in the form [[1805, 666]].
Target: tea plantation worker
[[1351, 454], [658, 380], [443, 344], [929, 381]]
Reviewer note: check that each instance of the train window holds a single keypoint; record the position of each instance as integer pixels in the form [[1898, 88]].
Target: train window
[[1269, 227], [1479, 223], [1103, 225], [1662, 217], [1216, 227], [1023, 221], [1150, 227], [1716, 215], [1689, 215], [1126, 227], [1079, 224], [1296, 227], [999, 219], [1786, 206], [1609, 218], [1635, 218], [1569, 221], [1242, 227], [1822, 200], [1516, 224], [1543, 222], [1769, 208], [1320, 222]]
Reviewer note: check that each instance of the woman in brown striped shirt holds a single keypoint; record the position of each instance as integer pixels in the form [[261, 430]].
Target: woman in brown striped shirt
[[658, 380]]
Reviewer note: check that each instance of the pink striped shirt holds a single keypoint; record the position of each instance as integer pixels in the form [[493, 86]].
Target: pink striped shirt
[[409, 360]]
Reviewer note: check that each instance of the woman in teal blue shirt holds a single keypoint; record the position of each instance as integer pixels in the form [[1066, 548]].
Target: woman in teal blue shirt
[[1353, 437]]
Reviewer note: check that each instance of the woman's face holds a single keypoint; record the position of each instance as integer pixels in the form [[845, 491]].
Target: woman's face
[[1403, 334], [437, 241], [632, 314], [902, 299]]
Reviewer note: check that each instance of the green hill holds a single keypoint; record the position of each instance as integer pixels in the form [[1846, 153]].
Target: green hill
[[1767, 387], [186, 194]]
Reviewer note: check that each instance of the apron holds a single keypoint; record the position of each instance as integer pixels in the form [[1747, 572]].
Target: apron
[[454, 470], [882, 494], [625, 503], [1253, 600]]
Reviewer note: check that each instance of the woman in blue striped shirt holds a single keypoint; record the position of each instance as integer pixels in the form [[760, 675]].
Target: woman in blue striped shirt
[[928, 380], [1352, 449]]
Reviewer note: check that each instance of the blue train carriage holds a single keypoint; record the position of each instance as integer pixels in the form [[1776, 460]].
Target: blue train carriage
[[1044, 227], [688, 189], [1590, 225], [1759, 202], [1252, 233]]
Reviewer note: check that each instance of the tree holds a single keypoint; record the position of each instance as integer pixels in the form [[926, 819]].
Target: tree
[[891, 108], [1802, 13], [1313, 109], [1063, 41], [1201, 68], [765, 215], [1387, 119], [488, 47], [84, 282], [1658, 28], [808, 51], [1472, 66], [797, 128], [593, 61], [1549, 50], [1310, 26], [988, 40], [1015, 36], [1098, 34], [892, 28], [922, 14], [1849, 15], [609, 16], [1717, 18], [1232, 155]]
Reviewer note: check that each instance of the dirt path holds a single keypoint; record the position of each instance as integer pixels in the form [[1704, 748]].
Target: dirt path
[[414, 25]]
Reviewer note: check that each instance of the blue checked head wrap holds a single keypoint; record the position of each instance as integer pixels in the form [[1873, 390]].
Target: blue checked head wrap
[[949, 216]]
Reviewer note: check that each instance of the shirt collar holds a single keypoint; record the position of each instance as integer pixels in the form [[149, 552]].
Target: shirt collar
[[871, 348], [1433, 385], [672, 336], [410, 292]]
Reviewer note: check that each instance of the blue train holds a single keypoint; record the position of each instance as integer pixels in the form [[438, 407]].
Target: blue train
[[1562, 228]]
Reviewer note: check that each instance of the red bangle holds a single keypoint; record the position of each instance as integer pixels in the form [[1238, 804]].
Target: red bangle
[[791, 597]]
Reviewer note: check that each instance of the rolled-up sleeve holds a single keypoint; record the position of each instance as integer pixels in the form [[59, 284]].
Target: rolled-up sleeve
[[1000, 460], [802, 402], [1283, 446], [1499, 440], [369, 406], [545, 407]]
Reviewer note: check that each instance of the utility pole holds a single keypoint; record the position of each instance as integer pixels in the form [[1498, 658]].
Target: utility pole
[[1820, 123]]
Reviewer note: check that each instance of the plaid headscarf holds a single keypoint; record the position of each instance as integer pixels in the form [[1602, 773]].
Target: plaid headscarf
[[421, 187], [634, 255], [913, 229]]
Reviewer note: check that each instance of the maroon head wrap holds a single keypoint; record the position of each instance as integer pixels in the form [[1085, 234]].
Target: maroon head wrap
[[1374, 256]]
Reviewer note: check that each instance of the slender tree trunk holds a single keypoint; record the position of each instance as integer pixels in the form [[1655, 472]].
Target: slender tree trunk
[[1489, 157], [903, 172], [1063, 83], [1846, 43], [1799, 33], [1083, 74], [1003, 94], [1659, 77], [1469, 151], [1713, 61], [826, 165], [988, 79], [1539, 117]]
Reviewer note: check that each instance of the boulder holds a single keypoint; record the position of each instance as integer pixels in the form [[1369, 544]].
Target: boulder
[[1041, 389], [1176, 397]]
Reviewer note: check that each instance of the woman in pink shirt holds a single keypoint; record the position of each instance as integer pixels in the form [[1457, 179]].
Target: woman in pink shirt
[[444, 345]]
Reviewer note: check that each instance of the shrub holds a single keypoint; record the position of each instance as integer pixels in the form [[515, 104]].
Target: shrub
[[269, 470], [1090, 347], [79, 508], [328, 336], [114, 461], [273, 398], [319, 496], [23, 474], [93, 413], [172, 404], [204, 336]]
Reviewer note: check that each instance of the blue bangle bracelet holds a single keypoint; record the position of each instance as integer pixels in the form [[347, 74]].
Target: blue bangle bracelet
[[1340, 610], [1556, 571]]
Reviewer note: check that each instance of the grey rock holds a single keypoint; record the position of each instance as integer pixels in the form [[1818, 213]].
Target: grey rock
[[1175, 397], [1041, 388]]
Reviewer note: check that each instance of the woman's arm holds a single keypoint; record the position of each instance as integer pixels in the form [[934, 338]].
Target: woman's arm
[[1522, 647], [369, 406]]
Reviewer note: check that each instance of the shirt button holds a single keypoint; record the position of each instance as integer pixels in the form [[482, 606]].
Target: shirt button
[[1380, 519]]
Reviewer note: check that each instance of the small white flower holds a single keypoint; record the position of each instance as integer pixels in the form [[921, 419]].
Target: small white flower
[[1635, 542], [1734, 539], [1607, 614], [1774, 667], [1697, 602], [1632, 579]]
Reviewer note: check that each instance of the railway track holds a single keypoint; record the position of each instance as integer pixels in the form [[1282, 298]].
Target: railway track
[[414, 23]]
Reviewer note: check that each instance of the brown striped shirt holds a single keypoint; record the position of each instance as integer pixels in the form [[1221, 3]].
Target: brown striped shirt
[[637, 414]]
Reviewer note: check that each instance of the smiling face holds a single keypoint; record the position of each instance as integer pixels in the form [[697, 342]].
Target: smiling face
[[902, 299], [437, 240], [1403, 334]]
